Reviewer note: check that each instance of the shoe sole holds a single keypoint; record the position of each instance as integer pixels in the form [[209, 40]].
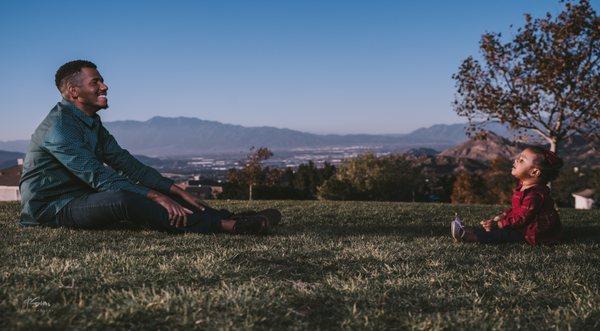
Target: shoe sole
[[264, 228], [454, 232], [272, 215]]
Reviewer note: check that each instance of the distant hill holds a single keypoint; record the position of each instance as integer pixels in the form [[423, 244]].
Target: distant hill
[[9, 159], [187, 136], [14, 145], [492, 147], [440, 132], [161, 136], [421, 151], [576, 151]]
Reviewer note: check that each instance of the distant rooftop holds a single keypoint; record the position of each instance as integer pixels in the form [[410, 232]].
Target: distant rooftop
[[10, 176]]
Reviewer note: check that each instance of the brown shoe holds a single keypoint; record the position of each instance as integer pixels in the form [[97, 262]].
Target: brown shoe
[[252, 224], [272, 215]]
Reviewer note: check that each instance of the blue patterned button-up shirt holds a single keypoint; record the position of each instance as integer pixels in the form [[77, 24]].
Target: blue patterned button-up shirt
[[66, 159]]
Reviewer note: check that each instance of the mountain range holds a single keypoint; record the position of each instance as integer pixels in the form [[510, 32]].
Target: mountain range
[[186, 136], [575, 150], [162, 137]]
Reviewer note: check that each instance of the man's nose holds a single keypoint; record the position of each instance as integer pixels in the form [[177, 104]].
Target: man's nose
[[103, 86]]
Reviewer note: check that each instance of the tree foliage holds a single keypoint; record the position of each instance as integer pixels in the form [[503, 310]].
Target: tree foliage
[[277, 183], [369, 177], [492, 186], [252, 173], [547, 79], [469, 188], [499, 182], [573, 180]]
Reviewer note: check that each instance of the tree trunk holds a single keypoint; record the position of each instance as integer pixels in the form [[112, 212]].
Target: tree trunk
[[250, 191], [553, 144]]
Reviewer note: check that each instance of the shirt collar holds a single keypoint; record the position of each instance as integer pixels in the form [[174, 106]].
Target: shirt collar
[[90, 121], [537, 187]]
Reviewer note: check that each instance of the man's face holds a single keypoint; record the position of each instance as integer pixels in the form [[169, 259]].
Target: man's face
[[92, 90]]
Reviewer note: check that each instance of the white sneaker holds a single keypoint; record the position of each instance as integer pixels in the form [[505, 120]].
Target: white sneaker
[[457, 229]]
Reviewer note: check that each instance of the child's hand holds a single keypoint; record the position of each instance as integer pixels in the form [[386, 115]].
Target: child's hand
[[487, 225]]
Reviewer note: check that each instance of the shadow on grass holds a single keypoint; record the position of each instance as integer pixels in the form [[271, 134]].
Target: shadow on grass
[[572, 234], [582, 234], [338, 230], [306, 267], [371, 230], [320, 311]]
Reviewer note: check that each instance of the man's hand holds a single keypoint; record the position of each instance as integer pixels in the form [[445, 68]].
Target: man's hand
[[177, 213], [189, 198]]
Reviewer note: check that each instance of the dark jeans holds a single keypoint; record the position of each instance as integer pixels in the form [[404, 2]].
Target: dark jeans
[[103, 209], [498, 236]]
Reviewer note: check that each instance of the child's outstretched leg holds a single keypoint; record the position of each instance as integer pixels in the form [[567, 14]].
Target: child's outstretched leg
[[499, 236], [461, 233]]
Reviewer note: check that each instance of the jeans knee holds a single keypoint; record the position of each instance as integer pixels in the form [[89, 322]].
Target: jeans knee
[[126, 197], [130, 202]]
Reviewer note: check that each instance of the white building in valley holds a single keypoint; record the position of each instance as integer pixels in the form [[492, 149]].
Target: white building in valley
[[583, 199]]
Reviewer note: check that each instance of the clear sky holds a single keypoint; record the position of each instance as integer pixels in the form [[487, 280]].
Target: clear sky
[[318, 66]]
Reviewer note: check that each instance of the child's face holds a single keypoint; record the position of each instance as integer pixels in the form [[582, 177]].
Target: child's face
[[523, 166]]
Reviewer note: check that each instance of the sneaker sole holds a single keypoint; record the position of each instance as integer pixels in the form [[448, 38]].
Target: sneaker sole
[[454, 231], [272, 215]]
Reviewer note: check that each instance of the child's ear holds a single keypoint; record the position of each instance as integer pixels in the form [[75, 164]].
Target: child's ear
[[535, 172]]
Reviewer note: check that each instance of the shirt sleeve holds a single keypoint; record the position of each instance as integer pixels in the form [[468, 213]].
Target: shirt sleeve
[[67, 144], [121, 160], [521, 216]]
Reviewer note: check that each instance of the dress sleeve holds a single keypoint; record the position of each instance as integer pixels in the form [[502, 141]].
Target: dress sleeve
[[525, 212]]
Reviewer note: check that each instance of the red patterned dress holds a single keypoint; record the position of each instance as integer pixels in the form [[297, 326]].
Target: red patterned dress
[[534, 213]]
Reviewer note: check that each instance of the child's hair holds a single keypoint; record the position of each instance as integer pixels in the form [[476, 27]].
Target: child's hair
[[548, 162]]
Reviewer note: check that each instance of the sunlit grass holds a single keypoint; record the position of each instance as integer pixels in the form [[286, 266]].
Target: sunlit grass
[[330, 265]]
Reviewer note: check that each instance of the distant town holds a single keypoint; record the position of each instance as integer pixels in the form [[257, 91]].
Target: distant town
[[216, 166], [432, 174]]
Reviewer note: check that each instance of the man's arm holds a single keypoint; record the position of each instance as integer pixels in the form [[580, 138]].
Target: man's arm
[[121, 160], [66, 143]]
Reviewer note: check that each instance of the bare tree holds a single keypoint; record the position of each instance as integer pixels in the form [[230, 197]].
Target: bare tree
[[546, 80], [252, 170]]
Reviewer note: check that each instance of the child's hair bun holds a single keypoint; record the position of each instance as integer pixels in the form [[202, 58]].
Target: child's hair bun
[[555, 163], [549, 163]]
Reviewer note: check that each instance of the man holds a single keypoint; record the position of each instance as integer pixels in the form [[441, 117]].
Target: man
[[65, 181]]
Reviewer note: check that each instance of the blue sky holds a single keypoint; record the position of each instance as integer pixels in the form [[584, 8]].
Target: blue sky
[[317, 66]]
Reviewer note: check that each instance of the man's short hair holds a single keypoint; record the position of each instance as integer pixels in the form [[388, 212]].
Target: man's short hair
[[69, 70]]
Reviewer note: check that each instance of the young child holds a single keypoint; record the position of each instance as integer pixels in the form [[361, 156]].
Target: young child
[[533, 217]]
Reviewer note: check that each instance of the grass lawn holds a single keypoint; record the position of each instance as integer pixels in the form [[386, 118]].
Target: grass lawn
[[365, 265]]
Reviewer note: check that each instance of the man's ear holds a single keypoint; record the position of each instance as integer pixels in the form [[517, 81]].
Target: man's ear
[[72, 90], [535, 172]]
